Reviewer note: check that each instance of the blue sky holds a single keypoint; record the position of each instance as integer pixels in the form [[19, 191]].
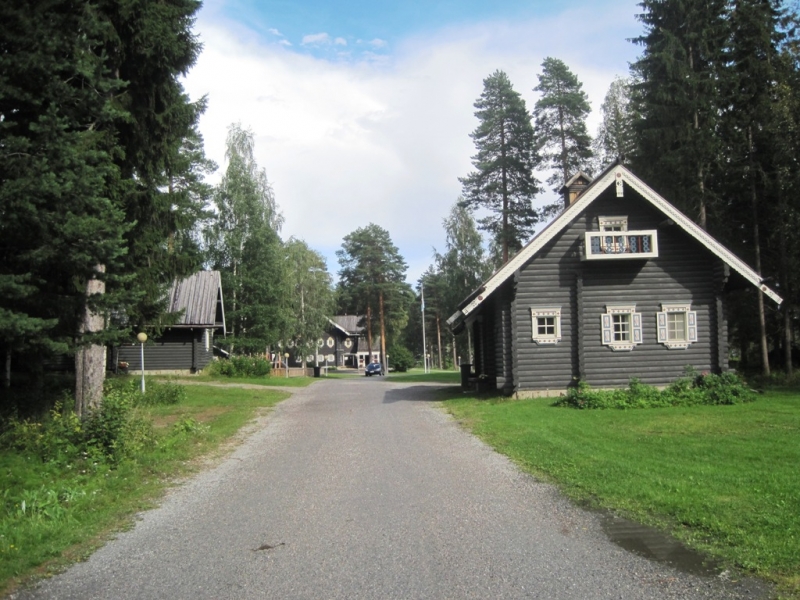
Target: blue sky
[[362, 110]]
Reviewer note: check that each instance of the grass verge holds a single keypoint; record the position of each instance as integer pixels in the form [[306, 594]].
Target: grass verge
[[722, 478], [53, 513], [267, 381]]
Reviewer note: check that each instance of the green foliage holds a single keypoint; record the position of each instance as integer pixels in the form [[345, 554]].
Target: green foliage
[[560, 116], [242, 243], [693, 390], [77, 496], [503, 182], [372, 282], [241, 366], [310, 291], [400, 359], [157, 393]]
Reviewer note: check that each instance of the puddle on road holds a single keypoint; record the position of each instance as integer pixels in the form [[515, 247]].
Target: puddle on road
[[656, 545]]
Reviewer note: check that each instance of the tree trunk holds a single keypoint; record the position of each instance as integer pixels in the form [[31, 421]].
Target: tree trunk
[[455, 354], [383, 331], [90, 361], [7, 370], [369, 334], [439, 339], [762, 321], [786, 307]]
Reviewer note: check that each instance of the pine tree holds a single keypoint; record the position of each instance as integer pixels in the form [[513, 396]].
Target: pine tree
[[560, 122], [503, 182], [372, 279], [676, 99]]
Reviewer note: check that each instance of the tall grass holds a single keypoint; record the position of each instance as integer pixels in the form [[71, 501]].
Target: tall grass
[[67, 484]]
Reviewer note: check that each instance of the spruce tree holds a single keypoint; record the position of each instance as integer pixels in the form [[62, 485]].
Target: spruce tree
[[503, 182], [560, 121], [676, 99], [615, 137]]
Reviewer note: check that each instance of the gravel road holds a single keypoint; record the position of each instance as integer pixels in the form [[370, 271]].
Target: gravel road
[[363, 488]]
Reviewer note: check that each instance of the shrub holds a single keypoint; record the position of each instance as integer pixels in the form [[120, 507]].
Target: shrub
[[400, 359], [116, 429], [241, 366], [691, 390]]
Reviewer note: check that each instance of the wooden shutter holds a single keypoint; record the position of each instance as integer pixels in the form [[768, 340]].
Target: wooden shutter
[[661, 319], [636, 327], [691, 326], [608, 331]]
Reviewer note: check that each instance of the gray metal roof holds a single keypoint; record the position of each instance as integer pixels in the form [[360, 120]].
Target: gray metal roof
[[348, 323], [198, 296]]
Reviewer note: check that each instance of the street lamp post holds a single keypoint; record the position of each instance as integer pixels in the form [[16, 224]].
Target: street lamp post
[[286, 356], [142, 337]]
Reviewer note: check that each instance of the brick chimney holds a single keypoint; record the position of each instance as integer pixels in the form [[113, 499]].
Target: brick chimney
[[574, 187]]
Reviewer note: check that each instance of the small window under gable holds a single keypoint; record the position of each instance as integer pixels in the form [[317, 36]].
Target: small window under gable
[[546, 322], [613, 223], [621, 326], [677, 325]]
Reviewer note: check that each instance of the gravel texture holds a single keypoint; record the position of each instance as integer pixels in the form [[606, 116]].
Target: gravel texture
[[363, 488]]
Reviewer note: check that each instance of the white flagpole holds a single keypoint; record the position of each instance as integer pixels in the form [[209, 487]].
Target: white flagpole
[[424, 345]]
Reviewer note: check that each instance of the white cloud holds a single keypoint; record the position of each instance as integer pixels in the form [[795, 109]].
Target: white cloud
[[340, 41], [378, 43], [274, 31], [316, 38], [385, 139], [286, 43]]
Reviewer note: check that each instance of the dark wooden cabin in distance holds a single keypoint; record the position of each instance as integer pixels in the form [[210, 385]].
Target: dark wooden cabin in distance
[[620, 284], [188, 345]]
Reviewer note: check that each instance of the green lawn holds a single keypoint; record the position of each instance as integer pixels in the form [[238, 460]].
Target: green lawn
[[723, 478], [53, 513]]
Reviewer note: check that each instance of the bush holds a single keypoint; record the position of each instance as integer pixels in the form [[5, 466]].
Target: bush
[[400, 359], [691, 390], [241, 366], [112, 432]]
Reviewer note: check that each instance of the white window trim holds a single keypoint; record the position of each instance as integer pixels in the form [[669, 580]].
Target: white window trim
[[621, 222], [546, 311], [662, 325], [607, 327]]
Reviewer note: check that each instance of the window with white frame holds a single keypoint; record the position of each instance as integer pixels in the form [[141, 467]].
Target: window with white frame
[[621, 326], [613, 223], [546, 321], [677, 325]]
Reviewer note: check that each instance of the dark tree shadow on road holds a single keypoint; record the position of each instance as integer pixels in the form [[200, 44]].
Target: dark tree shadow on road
[[421, 393]]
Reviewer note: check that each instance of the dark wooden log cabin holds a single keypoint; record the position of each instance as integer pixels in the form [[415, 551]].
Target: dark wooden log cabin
[[621, 284], [187, 346]]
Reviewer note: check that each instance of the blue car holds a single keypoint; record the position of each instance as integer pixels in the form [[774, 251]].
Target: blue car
[[373, 369]]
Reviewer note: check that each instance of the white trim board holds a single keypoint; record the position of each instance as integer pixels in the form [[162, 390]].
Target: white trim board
[[597, 187]]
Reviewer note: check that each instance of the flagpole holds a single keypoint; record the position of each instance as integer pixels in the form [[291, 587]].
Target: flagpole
[[424, 345]]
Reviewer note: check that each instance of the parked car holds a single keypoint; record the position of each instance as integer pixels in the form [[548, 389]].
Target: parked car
[[373, 369]]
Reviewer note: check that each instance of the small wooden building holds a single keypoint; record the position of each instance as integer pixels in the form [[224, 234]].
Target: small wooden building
[[348, 341], [187, 346], [621, 284]]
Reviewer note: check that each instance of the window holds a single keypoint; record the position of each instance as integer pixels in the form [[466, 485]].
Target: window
[[613, 223], [546, 321], [621, 326], [677, 325]]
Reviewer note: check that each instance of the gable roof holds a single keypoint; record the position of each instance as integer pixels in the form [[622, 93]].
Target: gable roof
[[615, 174], [347, 324], [197, 296]]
